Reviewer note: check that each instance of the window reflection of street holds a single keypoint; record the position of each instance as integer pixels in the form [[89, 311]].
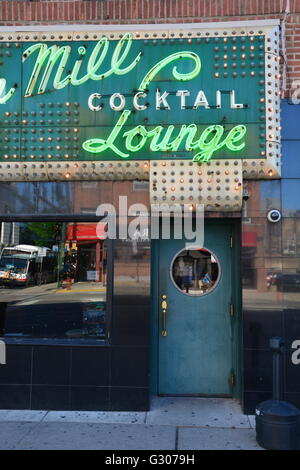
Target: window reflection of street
[[272, 298], [45, 311], [63, 293]]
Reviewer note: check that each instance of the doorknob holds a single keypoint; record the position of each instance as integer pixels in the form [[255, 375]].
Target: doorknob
[[164, 315]]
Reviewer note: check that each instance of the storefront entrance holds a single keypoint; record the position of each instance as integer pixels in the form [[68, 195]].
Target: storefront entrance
[[196, 324]]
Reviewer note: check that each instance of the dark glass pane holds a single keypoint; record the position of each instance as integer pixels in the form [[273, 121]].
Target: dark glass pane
[[262, 197], [131, 301], [261, 238], [62, 198], [290, 160], [290, 199], [291, 239], [290, 115], [261, 290]]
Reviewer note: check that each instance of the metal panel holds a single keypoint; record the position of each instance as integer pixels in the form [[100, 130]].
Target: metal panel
[[216, 184], [74, 171]]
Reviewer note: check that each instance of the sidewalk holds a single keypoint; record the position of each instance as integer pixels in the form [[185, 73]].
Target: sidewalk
[[172, 424]]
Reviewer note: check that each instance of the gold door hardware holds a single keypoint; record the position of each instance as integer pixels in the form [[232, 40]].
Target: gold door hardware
[[164, 315]]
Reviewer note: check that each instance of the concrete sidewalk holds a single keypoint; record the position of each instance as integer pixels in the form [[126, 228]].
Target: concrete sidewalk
[[172, 424]]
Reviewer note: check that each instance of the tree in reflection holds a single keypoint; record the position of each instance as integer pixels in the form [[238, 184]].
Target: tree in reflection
[[40, 233]]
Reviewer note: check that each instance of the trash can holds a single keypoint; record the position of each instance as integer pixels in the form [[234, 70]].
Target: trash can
[[277, 421], [277, 425]]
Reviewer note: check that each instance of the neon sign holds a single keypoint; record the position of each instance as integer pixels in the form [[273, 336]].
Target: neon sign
[[208, 143], [54, 53], [167, 102]]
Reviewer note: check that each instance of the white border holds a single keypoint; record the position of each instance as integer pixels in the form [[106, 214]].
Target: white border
[[140, 26]]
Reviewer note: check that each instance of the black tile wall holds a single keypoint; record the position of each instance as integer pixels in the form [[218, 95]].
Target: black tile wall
[[130, 399], [17, 369], [70, 378], [293, 398], [89, 398], [260, 326], [251, 399], [258, 370], [291, 318], [49, 397], [51, 365], [15, 397], [129, 367], [90, 366], [292, 370]]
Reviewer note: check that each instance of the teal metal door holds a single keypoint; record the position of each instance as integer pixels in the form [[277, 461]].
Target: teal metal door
[[195, 350]]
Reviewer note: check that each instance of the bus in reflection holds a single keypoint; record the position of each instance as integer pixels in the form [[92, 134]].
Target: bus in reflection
[[24, 265]]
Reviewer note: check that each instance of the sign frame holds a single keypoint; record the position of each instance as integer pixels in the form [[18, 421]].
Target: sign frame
[[267, 167]]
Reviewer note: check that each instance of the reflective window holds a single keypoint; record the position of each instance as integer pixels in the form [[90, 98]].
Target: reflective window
[[195, 272], [53, 280]]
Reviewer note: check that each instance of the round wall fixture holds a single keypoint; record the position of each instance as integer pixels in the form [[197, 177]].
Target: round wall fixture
[[274, 216]]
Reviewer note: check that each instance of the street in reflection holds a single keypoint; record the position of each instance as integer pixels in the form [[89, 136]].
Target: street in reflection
[[53, 279]]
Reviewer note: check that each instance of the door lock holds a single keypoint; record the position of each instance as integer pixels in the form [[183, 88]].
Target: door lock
[[164, 315]]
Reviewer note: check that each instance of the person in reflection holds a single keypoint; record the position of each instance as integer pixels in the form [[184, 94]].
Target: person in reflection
[[206, 282], [183, 274], [186, 269]]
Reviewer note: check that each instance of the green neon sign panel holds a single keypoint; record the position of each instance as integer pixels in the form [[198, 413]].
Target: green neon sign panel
[[134, 99]]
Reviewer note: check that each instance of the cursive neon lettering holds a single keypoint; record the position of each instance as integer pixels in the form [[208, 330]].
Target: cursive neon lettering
[[52, 53], [207, 148], [5, 97], [235, 135], [208, 143], [139, 132], [187, 132], [100, 145], [73, 76], [155, 145], [119, 56], [177, 75], [93, 65]]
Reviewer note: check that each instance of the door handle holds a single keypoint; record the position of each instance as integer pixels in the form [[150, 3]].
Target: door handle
[[164, 315]]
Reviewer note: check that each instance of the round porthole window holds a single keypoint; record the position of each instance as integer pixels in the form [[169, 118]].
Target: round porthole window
[[195, 272]]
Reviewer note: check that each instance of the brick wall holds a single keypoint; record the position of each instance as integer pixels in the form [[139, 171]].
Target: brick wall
[[19, 12]]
